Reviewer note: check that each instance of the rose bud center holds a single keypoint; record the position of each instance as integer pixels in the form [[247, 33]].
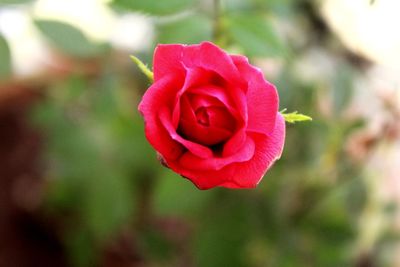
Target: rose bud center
[[205, 120], [202, 116]]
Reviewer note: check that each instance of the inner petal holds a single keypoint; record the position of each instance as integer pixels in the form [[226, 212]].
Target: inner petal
[[205, 124], [202, 116], [221, 118]]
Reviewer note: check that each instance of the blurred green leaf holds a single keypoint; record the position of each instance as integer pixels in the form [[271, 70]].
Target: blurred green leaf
[[85, 155], [281, 8], [190, 30], [108, 202], [69, 39], [5, 55], [156, 245], [154, 7], [172, 188], [80, 249], [226, 226], [342, 86], [256, 35], [12, 2]]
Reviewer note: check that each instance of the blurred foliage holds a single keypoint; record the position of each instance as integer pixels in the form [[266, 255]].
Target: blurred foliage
[[69, 40], [255, 35], [181, 31], [103, 178], [5, 62], [93, 153], [154, 7], [9, 2]]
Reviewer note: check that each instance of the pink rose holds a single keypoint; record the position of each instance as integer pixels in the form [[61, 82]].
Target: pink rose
[[211, 116]]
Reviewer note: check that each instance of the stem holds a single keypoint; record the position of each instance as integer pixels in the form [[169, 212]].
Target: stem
[[218, 29]]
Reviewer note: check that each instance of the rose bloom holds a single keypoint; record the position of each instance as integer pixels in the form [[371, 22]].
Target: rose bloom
[[211, 116]]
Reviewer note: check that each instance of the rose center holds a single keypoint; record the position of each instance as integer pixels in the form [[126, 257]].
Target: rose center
[[205, 119], [202, 116]]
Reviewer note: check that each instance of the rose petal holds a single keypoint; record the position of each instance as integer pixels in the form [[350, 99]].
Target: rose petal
[[205, 101], [192, 162], [235, 142], [157, 95], [249, 174], [207, 136], [211, 57], [194, 77], [262, 97], [168, 59], [240, 174], [221, 118], [196, 132], [215, 92], [197, 149]]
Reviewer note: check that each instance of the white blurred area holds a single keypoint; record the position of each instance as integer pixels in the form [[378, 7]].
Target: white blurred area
[[367, 27], [30, 54], [371, 29]]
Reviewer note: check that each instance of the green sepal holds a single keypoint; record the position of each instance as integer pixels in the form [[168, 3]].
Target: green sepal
[[294, 116], [146, 71]]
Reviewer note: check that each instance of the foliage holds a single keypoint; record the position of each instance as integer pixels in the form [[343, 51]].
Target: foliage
[[68, 39], [154, 7], [5, 55], [255, 35]]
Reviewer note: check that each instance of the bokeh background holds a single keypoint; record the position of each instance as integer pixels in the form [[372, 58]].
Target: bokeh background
[[80, 186]]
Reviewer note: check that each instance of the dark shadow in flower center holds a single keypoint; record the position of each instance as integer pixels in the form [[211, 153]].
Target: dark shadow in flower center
[[217, 149]]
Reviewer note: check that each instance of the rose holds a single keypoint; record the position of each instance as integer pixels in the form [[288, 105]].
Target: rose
[[211, 116]]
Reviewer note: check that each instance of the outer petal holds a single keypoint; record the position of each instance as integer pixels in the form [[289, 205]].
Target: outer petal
[[161, 93], [241, 174], [167, 60], [210, 57], [268, 150], [262, 97], [190, 161]]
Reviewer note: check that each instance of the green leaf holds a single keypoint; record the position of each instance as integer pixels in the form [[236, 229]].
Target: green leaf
[[295, 117], [146, 71], [172, 189], [225, 228], [280, 8], [342, 88], [69, 39], [190, 30], [5, 55], [153, 7], [108, 202], [255, 35], [14, 2]]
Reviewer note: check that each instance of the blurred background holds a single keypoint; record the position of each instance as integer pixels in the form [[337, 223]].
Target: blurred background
[[80, 185]]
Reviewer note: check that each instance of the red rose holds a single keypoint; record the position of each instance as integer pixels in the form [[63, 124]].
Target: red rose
[[211, 116]]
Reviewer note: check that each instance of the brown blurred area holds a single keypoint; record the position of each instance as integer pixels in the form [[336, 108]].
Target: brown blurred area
[[29, 237], [26, 239]]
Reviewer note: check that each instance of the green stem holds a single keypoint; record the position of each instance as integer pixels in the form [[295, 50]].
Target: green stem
[[218, 27]]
